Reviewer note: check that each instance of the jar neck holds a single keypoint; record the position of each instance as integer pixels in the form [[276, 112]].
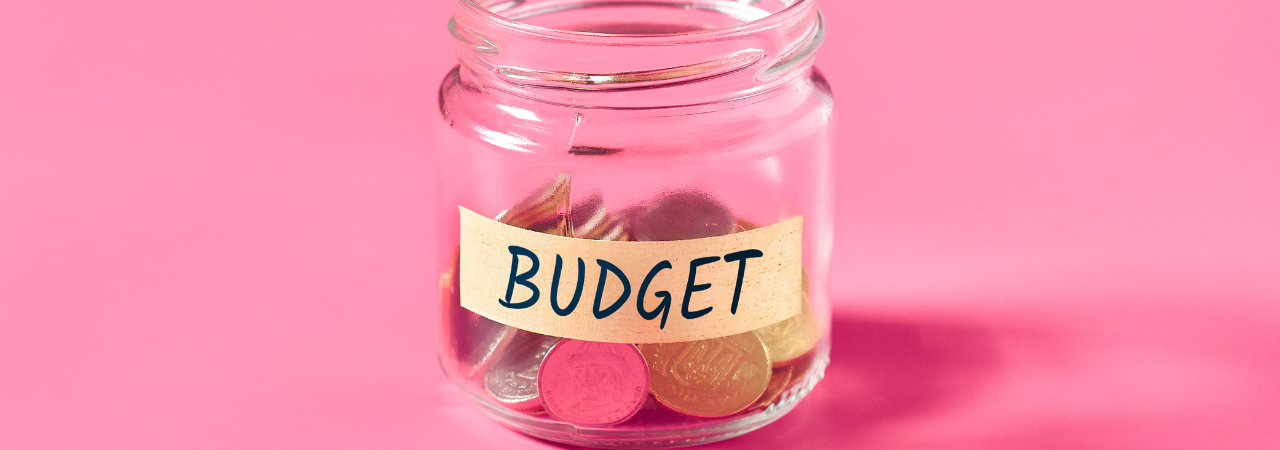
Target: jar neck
[[665, 53]]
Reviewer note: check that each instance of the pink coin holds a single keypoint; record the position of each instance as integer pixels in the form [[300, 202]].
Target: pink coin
[[593, 383]]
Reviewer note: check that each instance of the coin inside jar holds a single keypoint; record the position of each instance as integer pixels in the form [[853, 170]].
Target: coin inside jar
[[589, 219], [512, 380], [779, 381], [683, 214], [790, 338], [543, 204], [593, 383], [709, 378]]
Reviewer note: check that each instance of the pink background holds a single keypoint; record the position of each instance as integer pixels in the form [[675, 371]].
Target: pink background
[[1058, 227]]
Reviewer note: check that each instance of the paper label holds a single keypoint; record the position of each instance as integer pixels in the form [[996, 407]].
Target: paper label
[[653, 292]]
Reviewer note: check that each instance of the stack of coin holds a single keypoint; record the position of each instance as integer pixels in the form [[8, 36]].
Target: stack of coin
[[603, 384]]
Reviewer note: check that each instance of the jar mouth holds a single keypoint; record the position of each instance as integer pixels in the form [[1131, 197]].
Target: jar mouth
[[544, 18], [635, 53]]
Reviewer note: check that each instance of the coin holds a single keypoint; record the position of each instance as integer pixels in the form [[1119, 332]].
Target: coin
[[711, 377], [512, 380], [589, 219], [683, 214], [800, 368], [540, 208], [655, 415], [740, 225], [587, 215], [778, 381], [790, 338], [593, 383]]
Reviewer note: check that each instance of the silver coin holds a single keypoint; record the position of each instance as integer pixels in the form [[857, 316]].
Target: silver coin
[[513, 379]]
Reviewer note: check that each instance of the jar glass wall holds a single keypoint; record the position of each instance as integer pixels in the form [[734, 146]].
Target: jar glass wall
[[636, 121]]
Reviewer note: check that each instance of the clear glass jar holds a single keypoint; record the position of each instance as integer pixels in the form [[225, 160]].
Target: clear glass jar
[[635, 121]]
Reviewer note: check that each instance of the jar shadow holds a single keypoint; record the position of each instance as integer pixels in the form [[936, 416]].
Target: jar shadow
[[882, 371]]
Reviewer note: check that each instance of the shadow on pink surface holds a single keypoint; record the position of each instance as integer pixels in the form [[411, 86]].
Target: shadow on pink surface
[[1102, 377], [882, 371]]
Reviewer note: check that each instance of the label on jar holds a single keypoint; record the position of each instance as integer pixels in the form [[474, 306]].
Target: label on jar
[[631, 292]]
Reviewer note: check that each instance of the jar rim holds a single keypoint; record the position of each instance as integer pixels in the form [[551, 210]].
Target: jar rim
[[742, 59], [773, 19]]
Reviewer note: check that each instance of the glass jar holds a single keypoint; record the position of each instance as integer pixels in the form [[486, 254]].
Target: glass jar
[[677, 150]]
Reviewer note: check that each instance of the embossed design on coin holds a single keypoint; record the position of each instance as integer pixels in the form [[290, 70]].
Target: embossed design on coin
[[791, 338], [593, 383], [513, 379], [709, 378]]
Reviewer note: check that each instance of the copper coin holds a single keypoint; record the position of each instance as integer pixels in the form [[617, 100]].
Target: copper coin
[[709, 378], [512, 380], [593, 383], [780, 380], [800, 368], [683, 214], [790, 338]]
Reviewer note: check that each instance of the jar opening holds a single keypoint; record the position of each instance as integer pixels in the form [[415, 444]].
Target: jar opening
[[632, 17], [617, 53]]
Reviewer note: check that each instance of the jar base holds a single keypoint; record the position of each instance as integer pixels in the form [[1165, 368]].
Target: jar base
[[656, 434]]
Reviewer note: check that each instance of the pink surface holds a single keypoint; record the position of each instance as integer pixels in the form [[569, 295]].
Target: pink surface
[[1058, 227]]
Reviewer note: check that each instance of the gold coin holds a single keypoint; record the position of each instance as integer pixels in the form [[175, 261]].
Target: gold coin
[[790, 338], [711, 377]]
